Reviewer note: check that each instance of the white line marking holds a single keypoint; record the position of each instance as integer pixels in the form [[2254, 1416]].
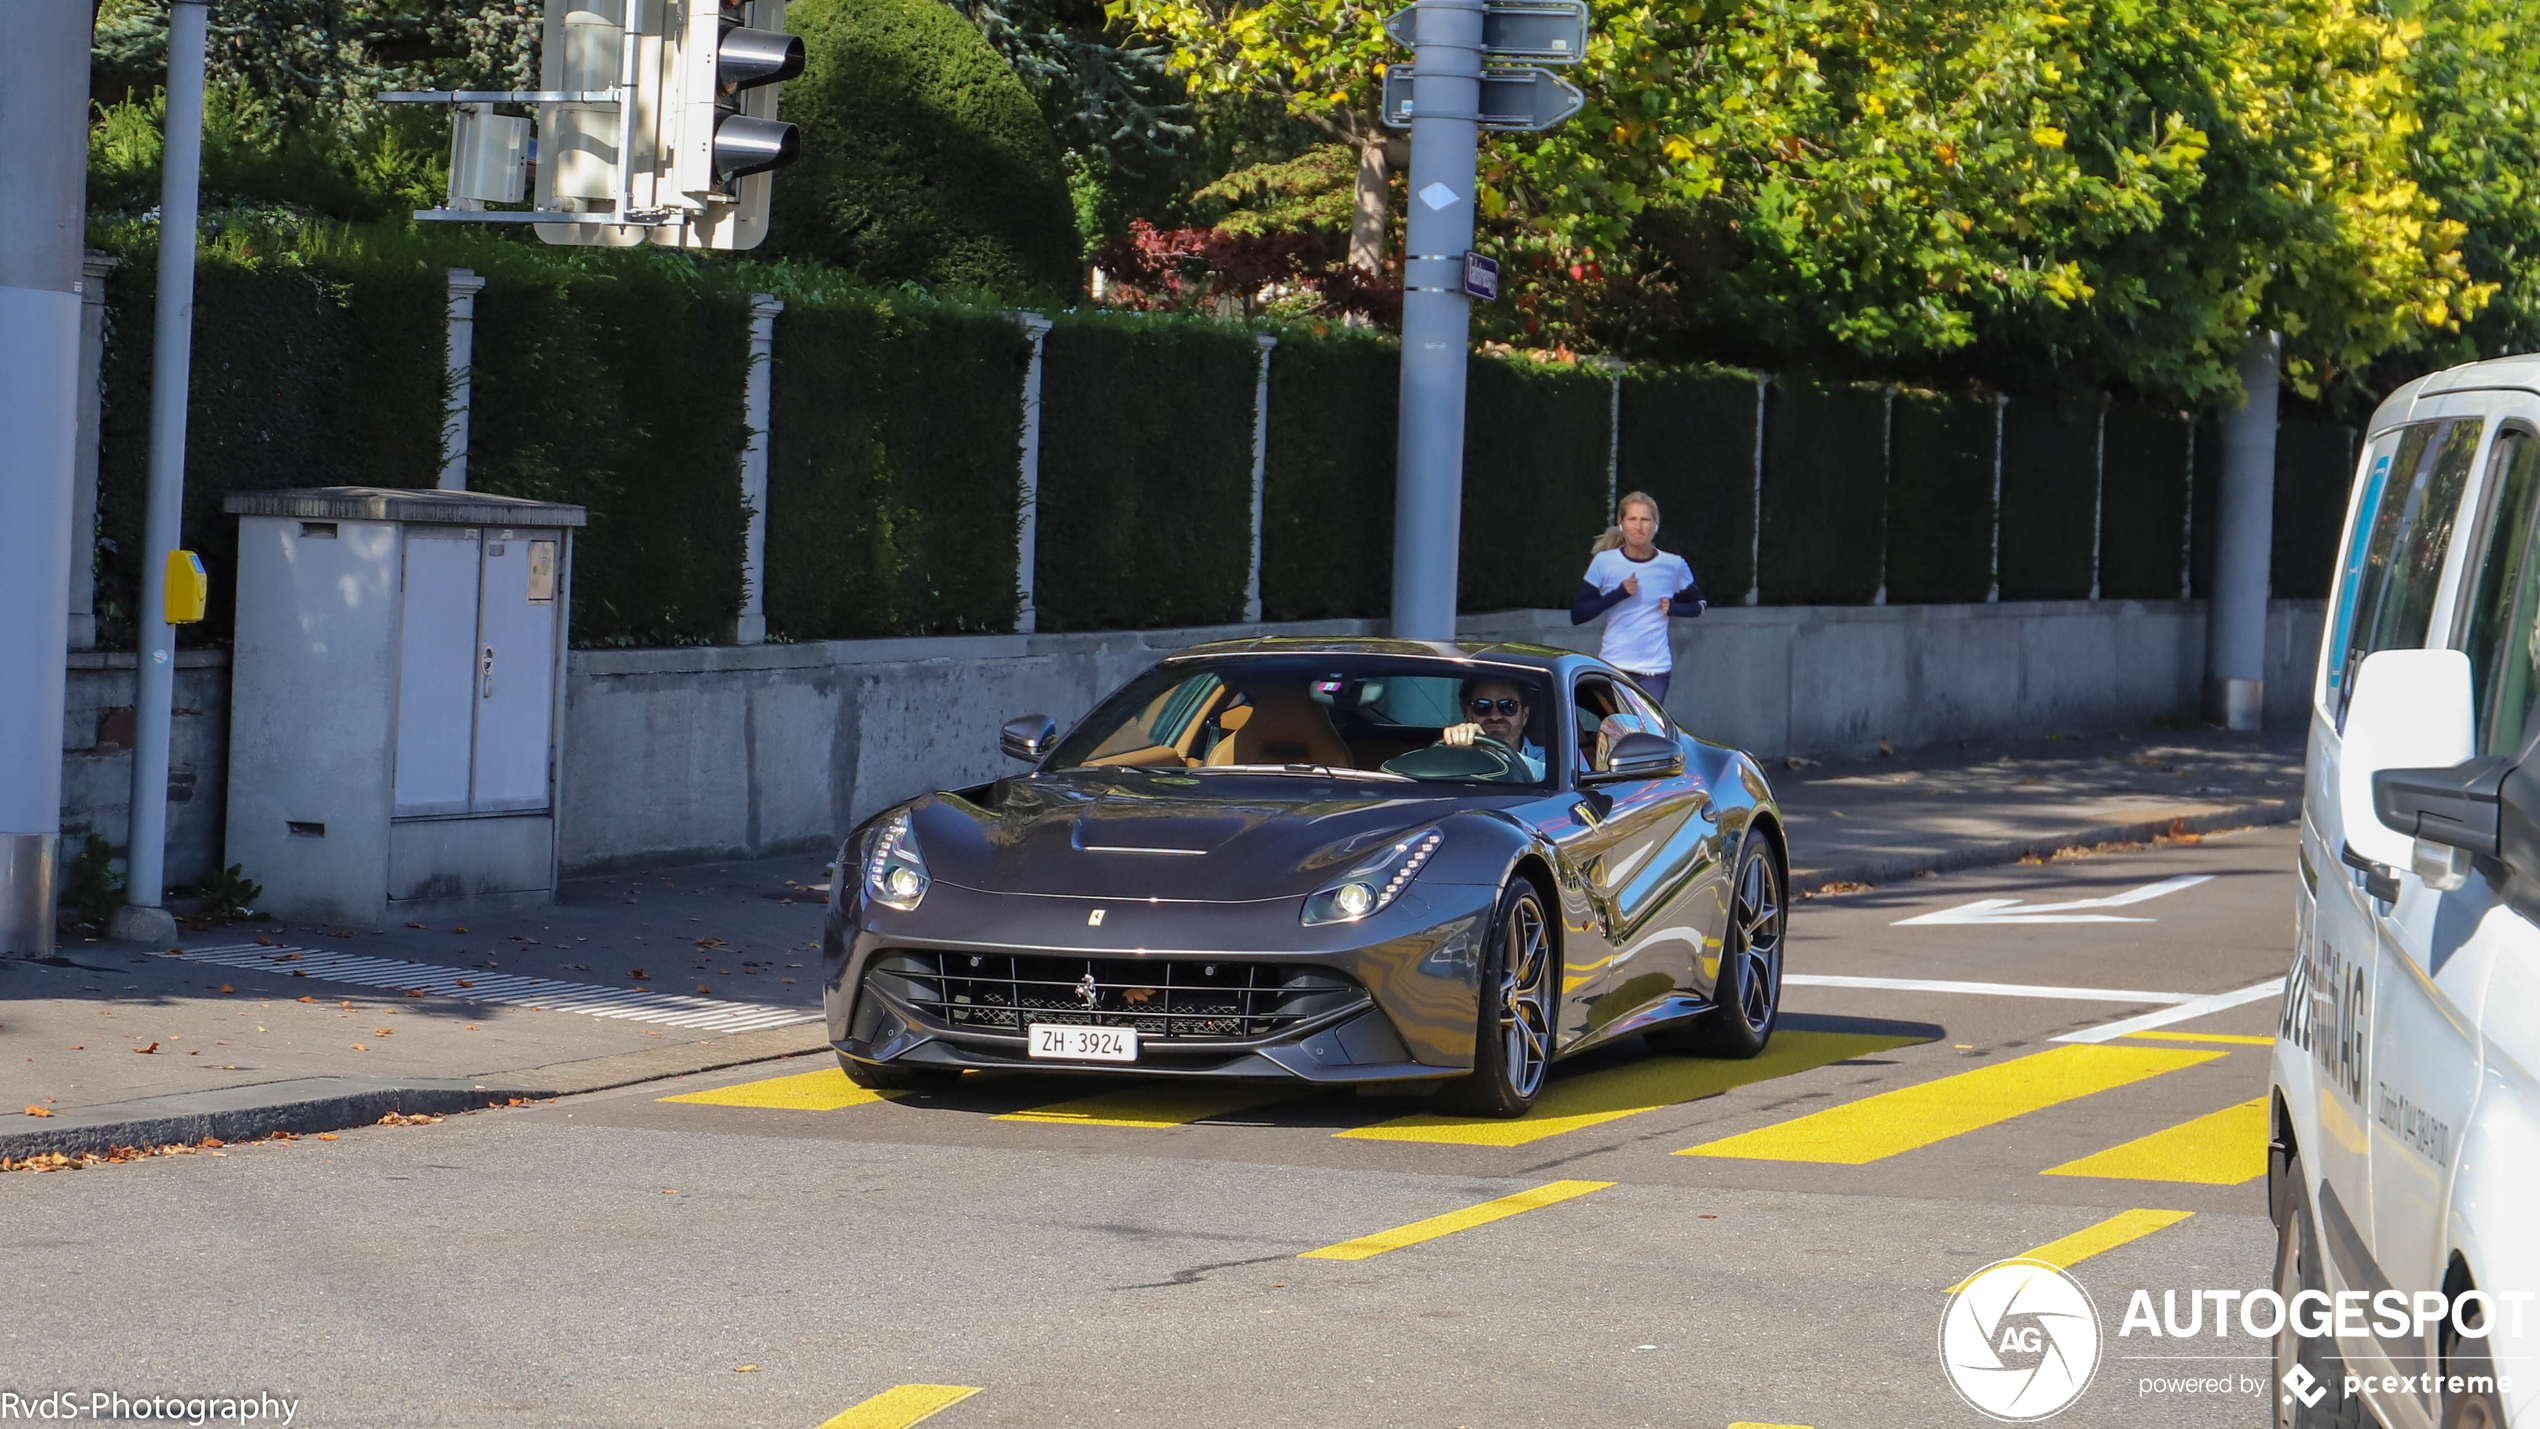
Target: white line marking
[[2010, 910], [2183, 1012], [1986, 989], [704, 1014]]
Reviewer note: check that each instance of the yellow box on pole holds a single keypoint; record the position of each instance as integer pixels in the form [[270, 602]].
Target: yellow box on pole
[[189, 589]]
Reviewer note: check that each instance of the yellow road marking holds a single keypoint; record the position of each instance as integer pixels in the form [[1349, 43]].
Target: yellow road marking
[[2224, 1148], [2082, 1244], [901, 1405], [825, 1090], [1169, 1104], [1571, 1103], [2230, 1038], [1891, 1123], [1547, 1194]]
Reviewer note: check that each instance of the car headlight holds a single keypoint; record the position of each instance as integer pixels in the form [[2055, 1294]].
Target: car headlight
[[894, 871], [1373, 885]]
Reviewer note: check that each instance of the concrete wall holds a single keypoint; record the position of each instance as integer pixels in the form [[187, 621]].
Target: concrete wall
[[97, 757], [738, 751]]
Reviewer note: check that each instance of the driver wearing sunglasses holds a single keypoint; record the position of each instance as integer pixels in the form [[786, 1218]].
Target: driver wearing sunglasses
[[1496, 709]]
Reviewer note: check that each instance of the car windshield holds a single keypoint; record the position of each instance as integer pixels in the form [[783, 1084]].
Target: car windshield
[[1389, 718]]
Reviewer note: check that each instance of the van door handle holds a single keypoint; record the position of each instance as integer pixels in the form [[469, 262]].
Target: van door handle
[[2379, 879]]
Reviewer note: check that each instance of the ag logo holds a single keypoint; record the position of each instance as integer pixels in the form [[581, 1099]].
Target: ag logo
[[2019, 1341]]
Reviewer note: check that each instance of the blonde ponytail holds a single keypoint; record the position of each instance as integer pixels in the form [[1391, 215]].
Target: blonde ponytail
[[1613, 536]]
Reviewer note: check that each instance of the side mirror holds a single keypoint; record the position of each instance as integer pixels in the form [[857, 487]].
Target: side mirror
[[1029, 738], [1640, 755], [2409, 717], [2451, 813]]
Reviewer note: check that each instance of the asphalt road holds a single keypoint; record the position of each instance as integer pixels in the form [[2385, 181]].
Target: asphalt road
[[769, 1247]]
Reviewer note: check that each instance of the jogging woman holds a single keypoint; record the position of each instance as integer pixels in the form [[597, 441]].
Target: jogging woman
[[1643, 586]]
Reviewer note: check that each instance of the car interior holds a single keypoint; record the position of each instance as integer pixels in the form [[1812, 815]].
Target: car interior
[[1279, 716]]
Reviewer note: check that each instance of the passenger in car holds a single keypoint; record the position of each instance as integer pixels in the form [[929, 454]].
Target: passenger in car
[[1497, 709]]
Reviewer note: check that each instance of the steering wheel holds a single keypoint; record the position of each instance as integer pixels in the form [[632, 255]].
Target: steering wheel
[[1483, 759]]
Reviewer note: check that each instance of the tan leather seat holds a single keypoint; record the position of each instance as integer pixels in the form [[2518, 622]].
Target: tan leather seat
[[1281, 725]]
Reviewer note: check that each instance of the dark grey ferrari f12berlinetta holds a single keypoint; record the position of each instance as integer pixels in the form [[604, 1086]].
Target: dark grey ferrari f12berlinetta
[[1321, 860]]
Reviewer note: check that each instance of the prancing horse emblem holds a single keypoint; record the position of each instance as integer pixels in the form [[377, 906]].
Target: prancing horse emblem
[[1094, 919], [1086, 991]]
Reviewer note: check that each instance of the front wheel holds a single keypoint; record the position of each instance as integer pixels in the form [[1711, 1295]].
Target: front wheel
[[1747, 995], [2316, 1398], [1512, 1038]]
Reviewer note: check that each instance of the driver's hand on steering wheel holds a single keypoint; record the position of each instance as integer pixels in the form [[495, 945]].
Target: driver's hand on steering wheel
[[1460, 735]]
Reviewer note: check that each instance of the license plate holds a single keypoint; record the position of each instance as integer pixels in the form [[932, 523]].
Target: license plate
[[1084, 1044]]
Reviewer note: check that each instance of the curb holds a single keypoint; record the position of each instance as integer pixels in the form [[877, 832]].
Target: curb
[[308, 1105], [1890, 867]]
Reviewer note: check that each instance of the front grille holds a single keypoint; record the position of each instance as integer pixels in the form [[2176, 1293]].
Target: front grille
[[1185, 999]]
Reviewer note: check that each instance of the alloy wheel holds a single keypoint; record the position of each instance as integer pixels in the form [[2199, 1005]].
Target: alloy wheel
[[1525, 998], [1759, 933]]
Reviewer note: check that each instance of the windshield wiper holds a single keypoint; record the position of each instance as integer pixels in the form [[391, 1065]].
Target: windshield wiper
[[1323, 770]]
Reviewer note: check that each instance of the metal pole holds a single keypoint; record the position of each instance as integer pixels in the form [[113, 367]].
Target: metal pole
[[2244, 537], [751, 628], [1028, 538], [1260, 472], [460, 357], [172, 361], [43, 205], [1436, 317]]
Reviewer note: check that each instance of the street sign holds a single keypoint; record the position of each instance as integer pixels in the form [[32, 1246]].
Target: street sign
[[1522, 99], [1546, 31], [1481, 277]]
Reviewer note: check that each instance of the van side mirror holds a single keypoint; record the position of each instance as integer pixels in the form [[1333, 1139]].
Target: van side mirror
[[2409, 717], [2451, 813], [1029, 738]]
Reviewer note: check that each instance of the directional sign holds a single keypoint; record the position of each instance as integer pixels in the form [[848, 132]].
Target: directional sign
[[1523, 99], [1548, 31], [2079, 910]]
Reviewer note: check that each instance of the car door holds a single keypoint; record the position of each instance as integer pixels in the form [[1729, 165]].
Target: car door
[[2437, 946], [1656, 849], [2388, 586]]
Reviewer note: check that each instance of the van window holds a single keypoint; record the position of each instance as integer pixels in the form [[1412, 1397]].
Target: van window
[[2503, 626], [2395, 567]]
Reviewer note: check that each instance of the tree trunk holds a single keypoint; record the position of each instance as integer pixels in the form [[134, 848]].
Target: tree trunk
[[1367, 214]]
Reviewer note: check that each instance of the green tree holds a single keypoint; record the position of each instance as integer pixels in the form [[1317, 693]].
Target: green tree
[[924, 158], [2475, 71]]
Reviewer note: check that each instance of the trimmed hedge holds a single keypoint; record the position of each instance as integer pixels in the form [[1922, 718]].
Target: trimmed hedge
[[1688, 439], [1328, 486], [2204, 505], [1825, 474], [1940, 498], [1535, 447], [613, 381], [2050, 500], [2314, 471], [1146, 473], [893, 449], [2143, 511], [324, 373]]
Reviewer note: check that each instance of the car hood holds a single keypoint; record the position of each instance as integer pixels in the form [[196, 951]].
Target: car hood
[[1107, 835]]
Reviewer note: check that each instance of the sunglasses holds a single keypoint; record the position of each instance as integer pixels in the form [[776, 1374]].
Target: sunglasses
[[1506, 707]]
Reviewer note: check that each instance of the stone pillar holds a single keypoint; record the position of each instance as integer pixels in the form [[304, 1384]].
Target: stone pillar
[[2244, 534], [750, 628]]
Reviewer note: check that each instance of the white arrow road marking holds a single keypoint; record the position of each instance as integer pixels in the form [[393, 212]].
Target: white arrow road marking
[[2008, 910], [2183, 1012]]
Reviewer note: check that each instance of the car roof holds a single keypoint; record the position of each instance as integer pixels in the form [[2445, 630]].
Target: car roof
[[1549, 658], [2509, 373]]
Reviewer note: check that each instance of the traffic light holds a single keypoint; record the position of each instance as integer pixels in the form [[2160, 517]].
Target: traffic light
[[655, 123]]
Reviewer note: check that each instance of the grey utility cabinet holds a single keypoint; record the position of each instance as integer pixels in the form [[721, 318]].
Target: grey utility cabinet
[[396, 701]]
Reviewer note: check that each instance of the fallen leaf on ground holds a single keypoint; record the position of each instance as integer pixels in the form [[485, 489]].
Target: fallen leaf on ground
[[639, 972], [358, 1047], [414, 925], [305, 998], [743, 1368], [225, 987], [328, 1136], [264, 942], [37, 1111], [701, 987], [414, 1119], [709, 942], [463, 982], [153, 1047], [414, 992], [784, 979], [458, 930]]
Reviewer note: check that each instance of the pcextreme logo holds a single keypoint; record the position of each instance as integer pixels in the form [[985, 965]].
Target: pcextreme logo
[[2019, 1341]]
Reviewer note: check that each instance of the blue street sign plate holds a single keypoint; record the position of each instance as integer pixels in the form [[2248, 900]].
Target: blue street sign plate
[[1481, 277]]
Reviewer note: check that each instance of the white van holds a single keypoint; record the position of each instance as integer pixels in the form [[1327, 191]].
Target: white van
[[2406, 1070]]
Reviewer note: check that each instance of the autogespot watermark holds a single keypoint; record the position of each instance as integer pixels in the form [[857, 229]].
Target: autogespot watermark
[[2021, 1340], [106, 1406]]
